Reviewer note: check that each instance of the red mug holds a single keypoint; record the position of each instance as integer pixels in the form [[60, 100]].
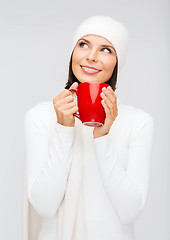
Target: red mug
[[91, 110]]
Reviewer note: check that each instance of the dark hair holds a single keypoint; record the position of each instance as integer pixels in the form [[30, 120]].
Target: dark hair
[[71, 77]]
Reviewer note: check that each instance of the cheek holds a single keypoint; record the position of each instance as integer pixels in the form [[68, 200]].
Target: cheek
[[110, 68], [110, 65], [73, 58], [74, 62], [76, 56]]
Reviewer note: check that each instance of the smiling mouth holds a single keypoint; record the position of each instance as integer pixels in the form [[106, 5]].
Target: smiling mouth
[[89, 70]]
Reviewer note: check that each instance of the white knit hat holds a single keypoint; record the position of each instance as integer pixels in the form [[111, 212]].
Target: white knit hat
[[108, 28]]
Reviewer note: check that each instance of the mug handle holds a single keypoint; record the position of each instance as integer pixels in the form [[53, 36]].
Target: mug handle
[[75, 114]]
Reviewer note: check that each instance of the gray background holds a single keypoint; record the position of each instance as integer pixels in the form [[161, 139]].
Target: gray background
[[35, 41]]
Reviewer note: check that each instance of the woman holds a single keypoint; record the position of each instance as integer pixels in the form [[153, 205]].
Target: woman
[[84, 182]]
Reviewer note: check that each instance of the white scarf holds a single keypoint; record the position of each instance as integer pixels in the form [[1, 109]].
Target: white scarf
[[67, 211]]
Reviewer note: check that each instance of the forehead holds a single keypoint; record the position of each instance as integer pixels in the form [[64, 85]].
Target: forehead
[[97, 39]]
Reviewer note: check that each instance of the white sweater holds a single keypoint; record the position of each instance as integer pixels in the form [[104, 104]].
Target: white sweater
[[108, 183]]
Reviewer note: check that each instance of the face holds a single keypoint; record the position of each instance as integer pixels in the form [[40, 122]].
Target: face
[[93, 59]]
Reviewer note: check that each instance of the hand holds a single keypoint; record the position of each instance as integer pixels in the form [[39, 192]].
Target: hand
[[109, 103], [65, 107]]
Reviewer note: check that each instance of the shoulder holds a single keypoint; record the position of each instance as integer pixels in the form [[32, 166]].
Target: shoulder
[[40, 114], [39, 109], [135, 114], [140, 122]]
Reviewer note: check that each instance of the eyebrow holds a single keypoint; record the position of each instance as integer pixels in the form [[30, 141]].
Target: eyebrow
[[101, 45]]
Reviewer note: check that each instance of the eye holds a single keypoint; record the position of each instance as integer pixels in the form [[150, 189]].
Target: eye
[[81, 44], [108, 50]]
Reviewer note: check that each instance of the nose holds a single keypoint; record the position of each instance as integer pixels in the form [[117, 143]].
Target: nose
[[92, 56]]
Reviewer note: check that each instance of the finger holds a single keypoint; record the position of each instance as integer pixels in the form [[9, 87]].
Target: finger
[[109, 119], [64, 100], [67, 106], [70, 111], [74, 85], [107, 100], [113, 111], [109, 90], [110, 94], [63, 94], [106, 108]]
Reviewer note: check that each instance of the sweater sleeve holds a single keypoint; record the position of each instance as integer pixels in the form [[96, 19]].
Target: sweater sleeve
[[48, 159], [127, 189]]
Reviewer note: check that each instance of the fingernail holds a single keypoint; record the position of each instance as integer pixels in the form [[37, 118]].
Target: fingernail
[[104, 89], [102, 94], [109, 88]]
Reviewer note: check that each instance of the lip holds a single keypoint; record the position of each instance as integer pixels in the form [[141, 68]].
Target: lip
[[92, 73], [90, 67]]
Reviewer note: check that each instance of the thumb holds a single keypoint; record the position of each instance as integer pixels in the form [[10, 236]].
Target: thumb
[[74, 85]]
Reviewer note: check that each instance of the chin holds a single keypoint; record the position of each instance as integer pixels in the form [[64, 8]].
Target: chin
[[87, 79]]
